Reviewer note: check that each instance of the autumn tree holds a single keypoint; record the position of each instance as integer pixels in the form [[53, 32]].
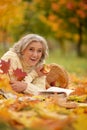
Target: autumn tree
[[34, 21], [62, 18], [10, 14], [58, 19], [74, 14]]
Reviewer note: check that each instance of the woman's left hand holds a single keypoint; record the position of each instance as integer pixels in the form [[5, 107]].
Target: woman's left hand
[[39, 70], [18, 86]]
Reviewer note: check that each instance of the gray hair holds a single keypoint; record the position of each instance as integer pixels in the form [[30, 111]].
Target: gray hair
[[26, 40]]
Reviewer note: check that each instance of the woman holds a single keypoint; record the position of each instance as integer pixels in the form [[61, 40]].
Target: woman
[[28, 54]]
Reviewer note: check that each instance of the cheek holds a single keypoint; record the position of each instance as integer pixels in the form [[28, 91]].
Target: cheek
[[40, 56], [26, 56]]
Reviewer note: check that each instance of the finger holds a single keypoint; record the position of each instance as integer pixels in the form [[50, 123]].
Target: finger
[[11, 82], [40, 67]]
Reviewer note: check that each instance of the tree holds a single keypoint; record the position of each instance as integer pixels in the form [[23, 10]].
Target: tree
[[10, 14], [66, 19], [60, 19]]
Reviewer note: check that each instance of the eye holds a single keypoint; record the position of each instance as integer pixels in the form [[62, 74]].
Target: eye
[[31, 49], [40, 51]]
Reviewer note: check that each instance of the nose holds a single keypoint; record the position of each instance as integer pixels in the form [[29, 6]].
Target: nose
[[35, 53]]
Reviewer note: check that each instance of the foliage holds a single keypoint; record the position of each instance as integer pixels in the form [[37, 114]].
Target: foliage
[[66, 19], [4, 66], [10, 13], [59, 20], [5, 76], [44, 112], [19, 74]]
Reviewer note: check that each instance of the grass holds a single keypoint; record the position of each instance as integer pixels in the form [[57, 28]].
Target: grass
[[71, 62]]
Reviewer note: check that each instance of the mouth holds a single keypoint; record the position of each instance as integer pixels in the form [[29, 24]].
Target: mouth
[[33, 59]]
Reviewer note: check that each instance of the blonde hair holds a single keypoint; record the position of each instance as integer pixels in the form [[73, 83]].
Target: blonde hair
[[28, 39]]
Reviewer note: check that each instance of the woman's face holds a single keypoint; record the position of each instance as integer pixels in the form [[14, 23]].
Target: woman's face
[[33, 53]]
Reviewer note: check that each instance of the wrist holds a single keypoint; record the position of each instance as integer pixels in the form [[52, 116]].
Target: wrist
[[24, 86]]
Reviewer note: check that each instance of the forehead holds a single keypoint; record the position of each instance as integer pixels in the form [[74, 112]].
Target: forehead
[[36, 44]]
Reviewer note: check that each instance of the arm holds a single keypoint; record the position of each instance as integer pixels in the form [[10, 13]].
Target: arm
[[36, 80], [31, 76], [29, 87], [38, 84], [31, 84]]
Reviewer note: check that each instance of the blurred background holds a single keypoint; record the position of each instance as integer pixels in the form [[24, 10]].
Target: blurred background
[[62, 22]]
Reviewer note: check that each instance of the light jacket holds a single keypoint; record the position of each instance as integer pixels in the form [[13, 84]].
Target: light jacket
[[34, 82]]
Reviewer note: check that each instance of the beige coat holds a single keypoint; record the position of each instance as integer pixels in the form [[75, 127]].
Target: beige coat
[[34, 83]]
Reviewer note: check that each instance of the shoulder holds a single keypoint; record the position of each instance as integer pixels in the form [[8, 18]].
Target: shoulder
[[14, 59], [12, 56], [9, 54]]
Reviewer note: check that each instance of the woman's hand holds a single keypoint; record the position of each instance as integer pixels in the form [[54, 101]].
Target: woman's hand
[[18, 86], [41, 70]]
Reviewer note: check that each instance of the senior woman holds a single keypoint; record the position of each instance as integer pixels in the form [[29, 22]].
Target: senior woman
[[28, 54]]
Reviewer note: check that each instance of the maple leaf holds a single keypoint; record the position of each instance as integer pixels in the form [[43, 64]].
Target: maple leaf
[[4, 66], [19, 74]]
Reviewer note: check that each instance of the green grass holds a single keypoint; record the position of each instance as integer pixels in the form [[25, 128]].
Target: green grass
[[4, 126], [71, 62]]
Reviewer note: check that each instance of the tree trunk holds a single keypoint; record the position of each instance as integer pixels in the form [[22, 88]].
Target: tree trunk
[[79, 45], [4, 41]]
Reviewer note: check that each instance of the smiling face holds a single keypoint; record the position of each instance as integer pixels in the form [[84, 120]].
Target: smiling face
[[33, 53]]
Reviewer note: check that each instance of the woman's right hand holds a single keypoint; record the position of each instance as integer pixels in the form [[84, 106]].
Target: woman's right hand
[[18, 86]]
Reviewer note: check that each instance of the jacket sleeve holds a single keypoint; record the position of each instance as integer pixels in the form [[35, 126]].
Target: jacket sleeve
[[31, 76], [36, 85]]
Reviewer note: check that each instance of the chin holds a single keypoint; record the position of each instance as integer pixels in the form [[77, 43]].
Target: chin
[[33, 64]]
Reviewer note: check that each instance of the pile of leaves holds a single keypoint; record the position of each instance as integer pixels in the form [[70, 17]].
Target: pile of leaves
[[52, 112]]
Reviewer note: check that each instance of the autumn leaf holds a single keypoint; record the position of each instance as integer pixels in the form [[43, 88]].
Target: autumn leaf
[[4, 66], [81, 122], [19, 74], [45, 69]]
